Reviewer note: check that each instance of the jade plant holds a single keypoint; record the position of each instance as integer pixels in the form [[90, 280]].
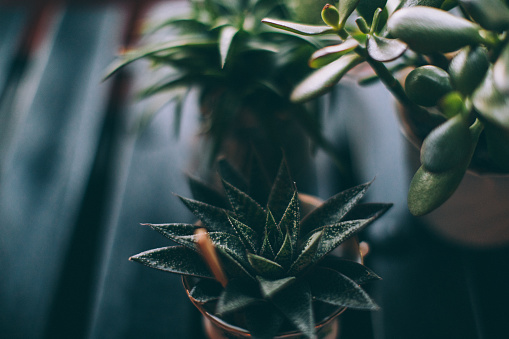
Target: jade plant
[[270, 269], [455, 99], [243, 70]]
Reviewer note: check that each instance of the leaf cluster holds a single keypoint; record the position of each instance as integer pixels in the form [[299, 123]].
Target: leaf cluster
[[456, 98], [278, 265]]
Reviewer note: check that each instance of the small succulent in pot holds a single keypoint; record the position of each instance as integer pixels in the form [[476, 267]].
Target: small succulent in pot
[[274, 267], [455, 100]]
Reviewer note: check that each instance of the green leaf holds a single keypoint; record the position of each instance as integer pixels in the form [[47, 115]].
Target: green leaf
[[246, 209], [468, 68], [174, 259], [335, 288], [346, 8], [333, 209], [247, 235], [282, 192], [175, 232], [413, 3], [298, 28], [265, 267], [267, 251], [273, 234], [263, 320], [307, 255], [271, 287], [501, 71], [328, 54], [233, 267], [491, 104], [213, 218], [322, 80], [359, 273], [383, 49], [295, 302], [206, 290], [367, 211], [366, 8], [225, 42], [237, 295], [285, 254], [290, 222], [428, 30], [426, 85], [490, 14], [447, 147]]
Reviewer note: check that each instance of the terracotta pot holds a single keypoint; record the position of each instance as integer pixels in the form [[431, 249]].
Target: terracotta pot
[[326, 328]]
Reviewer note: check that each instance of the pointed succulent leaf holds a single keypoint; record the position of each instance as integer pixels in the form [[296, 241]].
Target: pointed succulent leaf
[[231, 175], [263, 320], [246, 209], [490, 14], [225, 42], [334, 235], [236, 296], [328, 54], [265, 267], [367, 211], [298, 28], [213, 218], [491, 103], [295, 302], [206, 290], [333, 209], [335, 288], [175, 232], [322, 80], [271, 287], [267, 251], [231, 244], [273, 232], [282, 192], [233, 267], [204, 193], [307, 255], [359, 273], [290, 222], [501, 72], [246, 234], [175, 259], [285, 254], [383, 49], [428, 30]]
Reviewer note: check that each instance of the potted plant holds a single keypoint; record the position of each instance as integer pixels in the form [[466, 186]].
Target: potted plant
[[446, 63], [244, 73], [266, 271]]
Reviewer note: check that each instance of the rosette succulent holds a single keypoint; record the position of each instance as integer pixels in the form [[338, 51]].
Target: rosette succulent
[[278, 273], [455, 100]]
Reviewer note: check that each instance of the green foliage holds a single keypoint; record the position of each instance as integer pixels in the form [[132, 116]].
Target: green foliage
[[276, 264], [461, 72]]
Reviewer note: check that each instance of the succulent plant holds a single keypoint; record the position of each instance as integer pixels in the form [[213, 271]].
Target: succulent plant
[[456, 98], [277, 267], [243, 70]]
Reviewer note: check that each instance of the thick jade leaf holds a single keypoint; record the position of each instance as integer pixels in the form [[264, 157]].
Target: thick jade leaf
[[367, 211], [263, 320], [322, 80], [429, 190], [447, 147], [128, 57], [366, 8], [213, 218], [285, 254], [333, 209], [174, 259], [359, 273], [346, 8], [427, 84], [265, 267], [490, 14], [175, 232], [429, 30], [295, 302], [245, 208], [468, 68], [491, 104], [246, 234], [413, 3], [237, 295], [206, 290], [335, 288], [282, 192], [383, 49], [328, 54], [307, 254], [225, 42], [332, 236], [501, 72], [290, 222], [230, 174], [204, 193], [298, 28], [271, 287]]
